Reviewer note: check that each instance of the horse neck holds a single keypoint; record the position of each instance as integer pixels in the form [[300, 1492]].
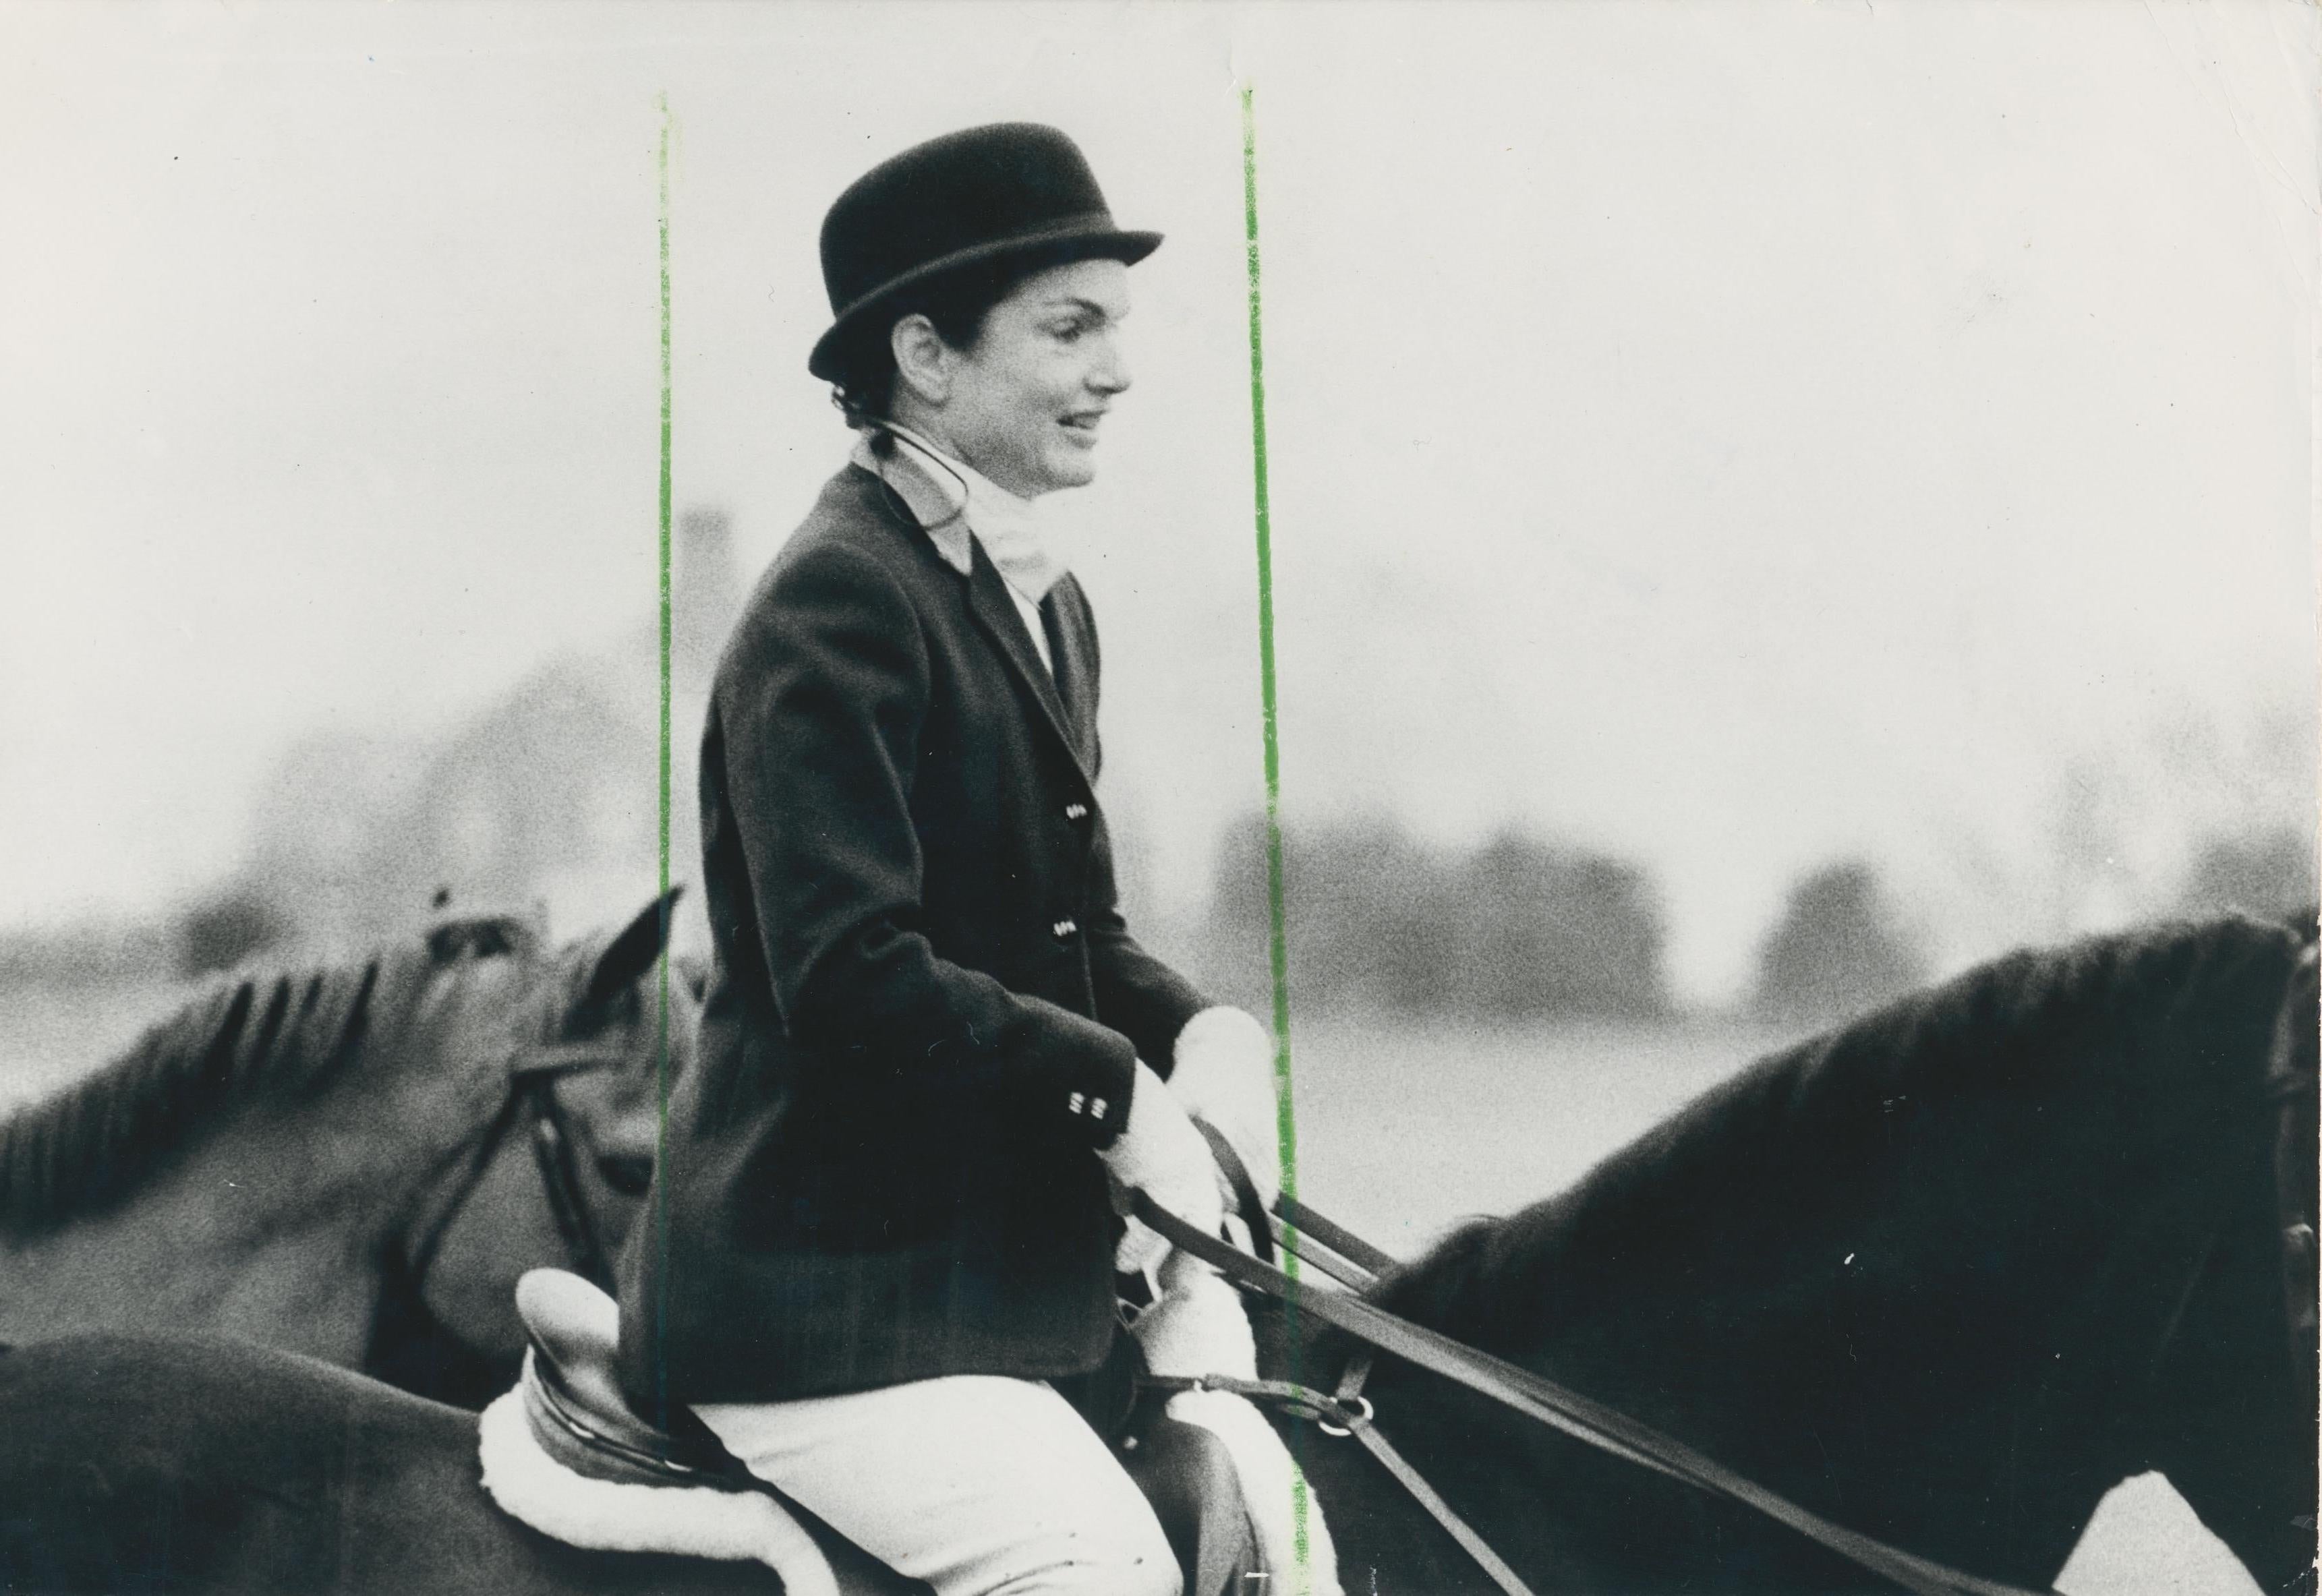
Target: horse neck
[[271, 1219], [1925, 1264]]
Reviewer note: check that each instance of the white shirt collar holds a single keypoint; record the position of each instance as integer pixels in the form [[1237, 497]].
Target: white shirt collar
[[951, 498]]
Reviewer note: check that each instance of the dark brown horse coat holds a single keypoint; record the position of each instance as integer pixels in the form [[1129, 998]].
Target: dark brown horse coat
[[925, 1009]]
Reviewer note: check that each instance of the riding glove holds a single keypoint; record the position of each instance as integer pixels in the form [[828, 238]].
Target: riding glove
[[1223, 1074], [1160, 1153]]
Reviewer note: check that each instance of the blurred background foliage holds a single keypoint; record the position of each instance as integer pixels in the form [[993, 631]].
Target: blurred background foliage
[[544, 803]]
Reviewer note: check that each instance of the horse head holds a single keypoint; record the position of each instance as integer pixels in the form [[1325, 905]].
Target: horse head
[[558, 1174]]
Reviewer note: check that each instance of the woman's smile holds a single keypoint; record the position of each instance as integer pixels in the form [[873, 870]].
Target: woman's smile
[[1081, 427]]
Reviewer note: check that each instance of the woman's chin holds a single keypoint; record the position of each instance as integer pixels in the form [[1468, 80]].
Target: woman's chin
[[1077, 470]]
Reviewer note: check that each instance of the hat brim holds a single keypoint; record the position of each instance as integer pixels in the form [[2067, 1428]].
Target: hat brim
[[1053, 246]]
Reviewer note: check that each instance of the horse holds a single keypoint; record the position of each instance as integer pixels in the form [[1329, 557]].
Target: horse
[[354, 1162], [1943, 1275]]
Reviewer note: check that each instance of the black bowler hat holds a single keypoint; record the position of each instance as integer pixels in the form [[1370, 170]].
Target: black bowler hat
[[983, 194]]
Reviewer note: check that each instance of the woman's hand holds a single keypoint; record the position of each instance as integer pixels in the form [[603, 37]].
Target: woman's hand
[[1224, 1076], [1160, 1153]]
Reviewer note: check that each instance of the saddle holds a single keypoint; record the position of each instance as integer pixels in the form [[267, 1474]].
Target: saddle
[[564, 1452]]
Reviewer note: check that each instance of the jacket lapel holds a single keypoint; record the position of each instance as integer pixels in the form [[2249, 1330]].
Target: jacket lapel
[[1074, 674], [995, 612]]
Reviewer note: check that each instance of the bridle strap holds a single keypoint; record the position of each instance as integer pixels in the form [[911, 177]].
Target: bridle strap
[[1245, 1189], [563, 1058], [1456, 1528], [1367, 1435], [559, 1178], [532, 1075], [1340, 1240], [481, 1147], [1346, 1413]]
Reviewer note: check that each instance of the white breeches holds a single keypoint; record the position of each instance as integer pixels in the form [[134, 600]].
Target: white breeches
[[979, 1484]]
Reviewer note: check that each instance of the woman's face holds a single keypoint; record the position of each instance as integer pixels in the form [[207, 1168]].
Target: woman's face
[[1026, 398]]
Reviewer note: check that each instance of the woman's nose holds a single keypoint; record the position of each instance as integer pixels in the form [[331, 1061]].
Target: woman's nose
[[1110, 374]]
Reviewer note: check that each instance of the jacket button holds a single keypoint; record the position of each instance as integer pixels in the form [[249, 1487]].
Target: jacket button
[[1075, 811], [1064, 928]]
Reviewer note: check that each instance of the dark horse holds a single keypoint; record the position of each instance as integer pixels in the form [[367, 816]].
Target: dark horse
[[1943, 1276], [339, 1162]]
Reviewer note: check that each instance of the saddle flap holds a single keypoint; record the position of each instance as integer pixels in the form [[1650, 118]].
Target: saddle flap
[[574, 1329], [573, 1323]]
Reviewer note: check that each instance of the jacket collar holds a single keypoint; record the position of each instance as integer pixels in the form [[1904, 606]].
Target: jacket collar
[[995, 613]]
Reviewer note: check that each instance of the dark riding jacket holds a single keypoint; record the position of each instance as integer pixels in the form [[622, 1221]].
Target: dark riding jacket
[[925, 1009]]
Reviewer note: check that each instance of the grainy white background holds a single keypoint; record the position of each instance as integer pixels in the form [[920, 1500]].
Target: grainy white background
[[1728, 435]]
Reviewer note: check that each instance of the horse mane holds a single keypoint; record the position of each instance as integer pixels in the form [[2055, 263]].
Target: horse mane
[[87, 1145], [2199, 999]]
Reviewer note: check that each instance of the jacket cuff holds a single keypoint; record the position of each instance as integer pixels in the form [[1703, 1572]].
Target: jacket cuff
[[1088, 1094]]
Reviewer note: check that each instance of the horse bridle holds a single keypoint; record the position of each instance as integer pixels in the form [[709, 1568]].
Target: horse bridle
[[1345, 1411], [532, 1071]]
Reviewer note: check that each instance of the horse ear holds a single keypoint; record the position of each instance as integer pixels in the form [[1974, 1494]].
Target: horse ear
[[629, 955]]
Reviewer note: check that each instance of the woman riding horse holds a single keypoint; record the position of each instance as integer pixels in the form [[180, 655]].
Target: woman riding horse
[[881, 1226]]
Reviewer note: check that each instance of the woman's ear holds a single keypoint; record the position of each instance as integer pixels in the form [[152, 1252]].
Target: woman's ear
[[923, 360]]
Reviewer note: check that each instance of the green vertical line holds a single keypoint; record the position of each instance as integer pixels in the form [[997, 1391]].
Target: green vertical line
[[660, 1138], [1286, 1124]]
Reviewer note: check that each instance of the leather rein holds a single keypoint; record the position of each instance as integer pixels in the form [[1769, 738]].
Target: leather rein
[[532, 1071], [1309, 1237]]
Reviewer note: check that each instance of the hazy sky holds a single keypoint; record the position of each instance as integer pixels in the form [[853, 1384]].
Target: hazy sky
[[1734, 434]]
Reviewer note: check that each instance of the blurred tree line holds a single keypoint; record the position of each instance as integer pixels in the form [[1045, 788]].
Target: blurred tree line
[[2268, 872], [1378, 922], [1519, 928], [1839, 946]]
